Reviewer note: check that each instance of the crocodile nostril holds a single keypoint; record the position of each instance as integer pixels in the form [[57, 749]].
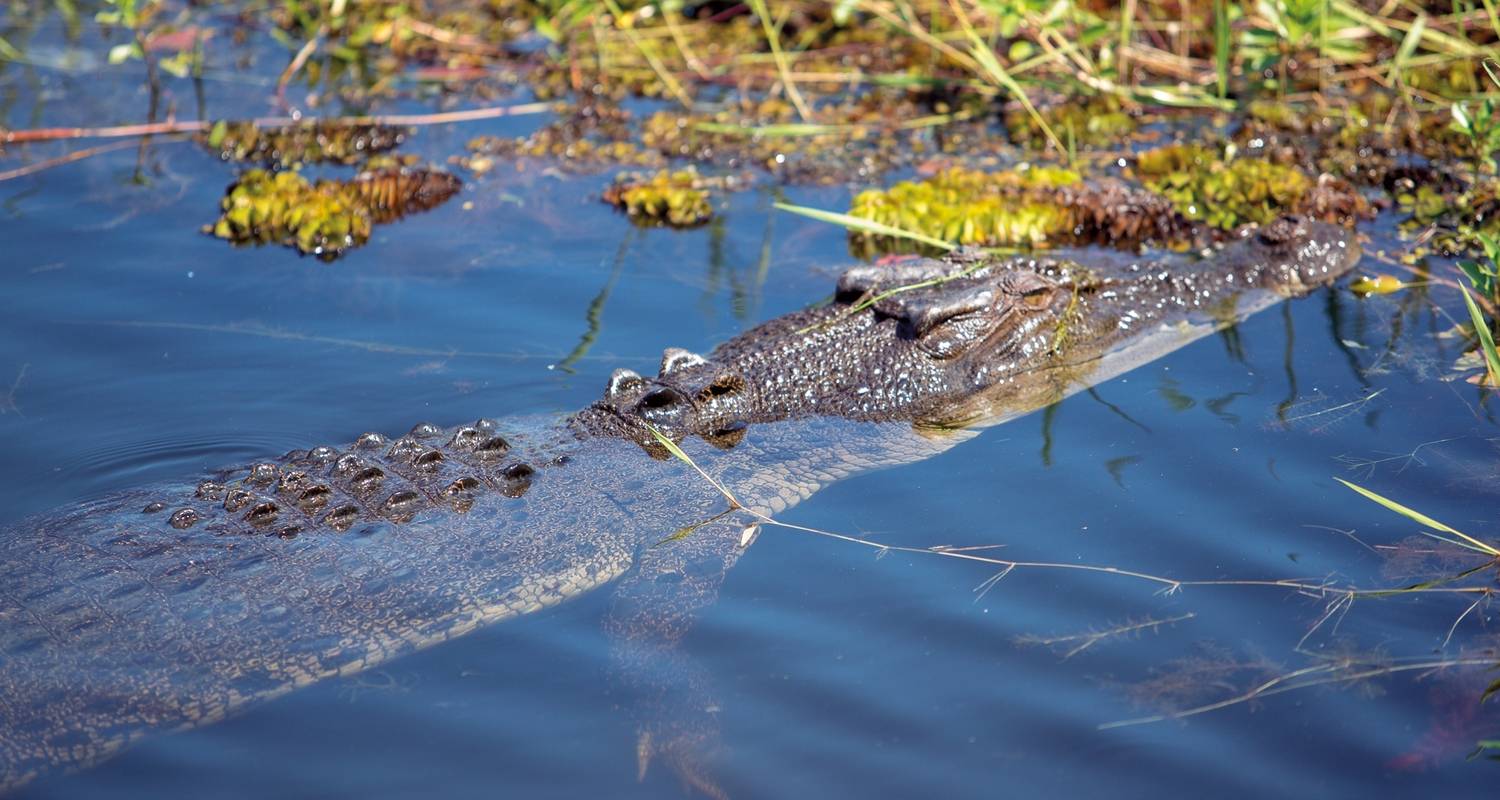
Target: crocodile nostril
[[661, 398]]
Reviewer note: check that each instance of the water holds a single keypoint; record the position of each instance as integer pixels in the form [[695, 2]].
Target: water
[[133, 349]]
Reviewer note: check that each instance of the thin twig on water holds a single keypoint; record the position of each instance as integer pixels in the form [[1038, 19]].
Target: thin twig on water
[[67, 158], [199, 125]]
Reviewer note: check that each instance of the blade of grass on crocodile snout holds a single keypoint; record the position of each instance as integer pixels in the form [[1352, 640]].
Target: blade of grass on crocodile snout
[[865, 225]]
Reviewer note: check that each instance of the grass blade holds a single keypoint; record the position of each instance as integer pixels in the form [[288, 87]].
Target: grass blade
[[1479, 277], [1486, 339], [1422, 519], [656, 66], [1408, 46], [671, 446], [774, 40], [980, 51], [865, 225], [1221, 47], [779, 129]]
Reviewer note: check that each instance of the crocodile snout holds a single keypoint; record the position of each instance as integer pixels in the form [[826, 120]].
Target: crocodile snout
[[1299, 254]]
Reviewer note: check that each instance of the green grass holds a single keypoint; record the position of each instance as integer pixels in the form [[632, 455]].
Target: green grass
[[1459, 538], [865, 226]]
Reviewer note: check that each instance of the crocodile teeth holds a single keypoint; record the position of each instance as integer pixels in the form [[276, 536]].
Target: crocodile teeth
[[676, 358], [623, 381]]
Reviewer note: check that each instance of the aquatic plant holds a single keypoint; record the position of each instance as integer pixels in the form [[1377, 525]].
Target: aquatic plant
[[1229, 193], [310, 142], [1444, 533], [859, 135], [325, 218], [414, 30], [1034, 207], [1287, 34], [1484, 277], [677, 199], [1224, 195], [134, 16], [391, 189], [1452, 221], [1082, 122], [968, 207], [1480, 124], [322, 219], [584, 136]]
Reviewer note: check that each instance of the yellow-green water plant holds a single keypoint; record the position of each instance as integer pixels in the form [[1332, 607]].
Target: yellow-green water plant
[[1098, 122], [322, 219], [970, 207], [677, 199], [1454, 221], [1223, 194], [325, 218], [308, 142]]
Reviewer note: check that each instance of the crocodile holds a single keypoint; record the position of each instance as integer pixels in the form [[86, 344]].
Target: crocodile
[[176, 605]]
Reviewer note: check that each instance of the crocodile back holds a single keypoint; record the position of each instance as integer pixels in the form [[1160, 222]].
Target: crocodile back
[[115, 624]]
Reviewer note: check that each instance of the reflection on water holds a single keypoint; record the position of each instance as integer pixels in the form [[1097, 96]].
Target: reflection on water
[[594, 317]]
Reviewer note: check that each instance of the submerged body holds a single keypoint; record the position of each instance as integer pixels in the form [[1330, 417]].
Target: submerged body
[[173, 606]]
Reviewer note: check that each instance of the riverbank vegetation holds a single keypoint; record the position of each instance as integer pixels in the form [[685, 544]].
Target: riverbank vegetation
[[1234, 111]]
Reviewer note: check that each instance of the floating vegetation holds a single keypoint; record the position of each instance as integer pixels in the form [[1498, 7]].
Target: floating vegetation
[[861, 136], [1097, 122], [678, 199], [322, 219], [1032, 207], [1370, 138], [390, 192], [1452, 222], [1228, 194], [583, 137], [969, 207], [1223, 195], [310, 142], [382, 36], [1376, 284], [326, 218]]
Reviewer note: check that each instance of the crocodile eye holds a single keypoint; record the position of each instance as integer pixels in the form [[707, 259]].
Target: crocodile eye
[[1039, 298]]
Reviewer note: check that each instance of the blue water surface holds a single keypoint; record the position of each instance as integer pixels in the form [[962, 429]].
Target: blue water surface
[[133, 348]]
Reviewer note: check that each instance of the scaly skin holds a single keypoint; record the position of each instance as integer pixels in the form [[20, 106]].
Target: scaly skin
[[173, 606]]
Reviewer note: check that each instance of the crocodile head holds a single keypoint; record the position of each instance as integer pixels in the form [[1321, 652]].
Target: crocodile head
[[905, 341]]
